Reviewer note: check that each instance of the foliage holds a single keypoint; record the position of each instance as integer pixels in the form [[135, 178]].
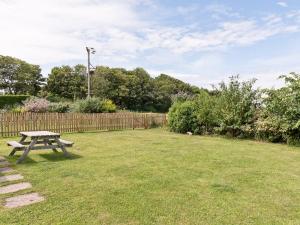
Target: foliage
[[182, 117], [19, 77], [236, 107], [169, 89], [59, 107], [137, 90], [280, 116], [232, 111], [11, 100], [67, 82], [95, 105], [37, 105]]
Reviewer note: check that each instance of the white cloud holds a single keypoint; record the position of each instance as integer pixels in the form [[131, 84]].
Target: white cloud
[[53, 32], [282, 4], [218, 11]]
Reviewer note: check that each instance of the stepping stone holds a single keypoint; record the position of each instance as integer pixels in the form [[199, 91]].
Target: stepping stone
[[14, 187], [4, 163], [11, 177], [23, 200], [6, 170]]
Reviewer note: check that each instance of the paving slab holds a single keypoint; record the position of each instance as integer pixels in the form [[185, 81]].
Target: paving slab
[[6, 170], [23, 200], [14, 187], [4, 163], [11, 177]]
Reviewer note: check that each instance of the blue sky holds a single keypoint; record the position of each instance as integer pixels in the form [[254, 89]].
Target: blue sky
[[201, 42]]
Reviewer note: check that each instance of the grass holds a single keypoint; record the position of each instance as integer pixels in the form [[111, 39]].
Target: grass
[[157, 177]]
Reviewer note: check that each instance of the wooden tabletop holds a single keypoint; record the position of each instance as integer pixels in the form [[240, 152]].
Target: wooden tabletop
[[39, 134]]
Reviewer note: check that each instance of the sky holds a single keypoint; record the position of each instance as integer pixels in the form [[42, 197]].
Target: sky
[[201, 42]]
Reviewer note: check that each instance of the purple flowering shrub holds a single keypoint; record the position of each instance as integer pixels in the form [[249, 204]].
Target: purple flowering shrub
[[37, 105]]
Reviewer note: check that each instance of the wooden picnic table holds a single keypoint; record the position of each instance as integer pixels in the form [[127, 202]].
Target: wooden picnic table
[[39, 140]]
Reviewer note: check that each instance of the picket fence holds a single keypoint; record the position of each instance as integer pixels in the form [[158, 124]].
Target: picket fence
[[13, 123]]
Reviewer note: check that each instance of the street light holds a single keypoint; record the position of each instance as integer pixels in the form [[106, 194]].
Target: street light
[[89, 52]]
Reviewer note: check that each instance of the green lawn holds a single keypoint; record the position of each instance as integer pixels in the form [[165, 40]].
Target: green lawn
[[157, 177]]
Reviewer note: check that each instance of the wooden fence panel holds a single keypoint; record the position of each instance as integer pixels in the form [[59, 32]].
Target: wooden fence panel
[[13, 123]]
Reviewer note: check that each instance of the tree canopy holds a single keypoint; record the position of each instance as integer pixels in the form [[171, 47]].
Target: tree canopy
[[20, 77]]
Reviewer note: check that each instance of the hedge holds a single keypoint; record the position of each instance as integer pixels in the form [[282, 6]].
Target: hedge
[[10, 100]]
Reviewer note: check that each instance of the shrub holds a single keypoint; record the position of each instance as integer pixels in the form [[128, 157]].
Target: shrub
[[37, 105], [182, 117], [280, 116], [197, 116], [206, 113], [60, 107], [95, 105], [236, 108], [108, 106], [12, 100]]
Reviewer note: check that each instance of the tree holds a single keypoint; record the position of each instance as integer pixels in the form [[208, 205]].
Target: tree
[[141, 96], [167, 87], [67, 82], [237, 106], [20, 77], [110, 83], [280, 117]]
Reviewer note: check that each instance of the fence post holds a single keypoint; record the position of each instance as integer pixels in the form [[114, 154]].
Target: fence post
[[132, 121], [1, 124]]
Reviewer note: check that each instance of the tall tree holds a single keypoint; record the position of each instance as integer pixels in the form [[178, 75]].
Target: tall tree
[[166, 87], [67, 82], [20, 77], [110, 83]]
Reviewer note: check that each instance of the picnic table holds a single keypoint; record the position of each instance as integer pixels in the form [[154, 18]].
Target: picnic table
[[39, 140]]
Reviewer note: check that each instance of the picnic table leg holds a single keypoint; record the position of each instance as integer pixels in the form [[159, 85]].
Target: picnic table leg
[[49, 142], [27, 150], [62, 147], [14, 149]]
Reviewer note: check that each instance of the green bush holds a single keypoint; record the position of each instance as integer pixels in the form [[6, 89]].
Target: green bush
[[95, 105], [12, 100], [197, 116], [236, 108], [280, 117], [60, 107], [182, 117]]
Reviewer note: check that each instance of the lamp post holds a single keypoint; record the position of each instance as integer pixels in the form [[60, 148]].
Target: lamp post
[[89, 52]]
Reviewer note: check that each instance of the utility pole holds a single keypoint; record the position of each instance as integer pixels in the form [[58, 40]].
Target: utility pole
[[89, 51]]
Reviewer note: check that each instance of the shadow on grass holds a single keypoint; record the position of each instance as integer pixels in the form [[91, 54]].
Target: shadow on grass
[[55, 157], [51, 156], [13, 160]]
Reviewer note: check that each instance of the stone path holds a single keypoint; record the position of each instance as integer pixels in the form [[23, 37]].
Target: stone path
[[18, 200], [23, 200], [11, 178], [6, 170], [14, 187]]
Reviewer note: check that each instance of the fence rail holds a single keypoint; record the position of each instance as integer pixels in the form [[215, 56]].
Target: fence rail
[[13, 123]]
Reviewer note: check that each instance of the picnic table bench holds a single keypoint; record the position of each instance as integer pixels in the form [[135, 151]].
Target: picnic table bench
[[40, 140]]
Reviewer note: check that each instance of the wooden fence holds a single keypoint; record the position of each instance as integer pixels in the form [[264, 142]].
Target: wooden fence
[[13, 123]]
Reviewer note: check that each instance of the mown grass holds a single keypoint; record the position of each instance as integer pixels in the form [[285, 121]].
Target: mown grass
[[157, 177]]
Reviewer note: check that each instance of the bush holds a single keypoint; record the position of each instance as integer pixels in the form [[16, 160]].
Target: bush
[[60, 107], [182, 117], [197, 116], [280, 116], [37, 105], [12, 100], [236, 108], [95, 105]]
